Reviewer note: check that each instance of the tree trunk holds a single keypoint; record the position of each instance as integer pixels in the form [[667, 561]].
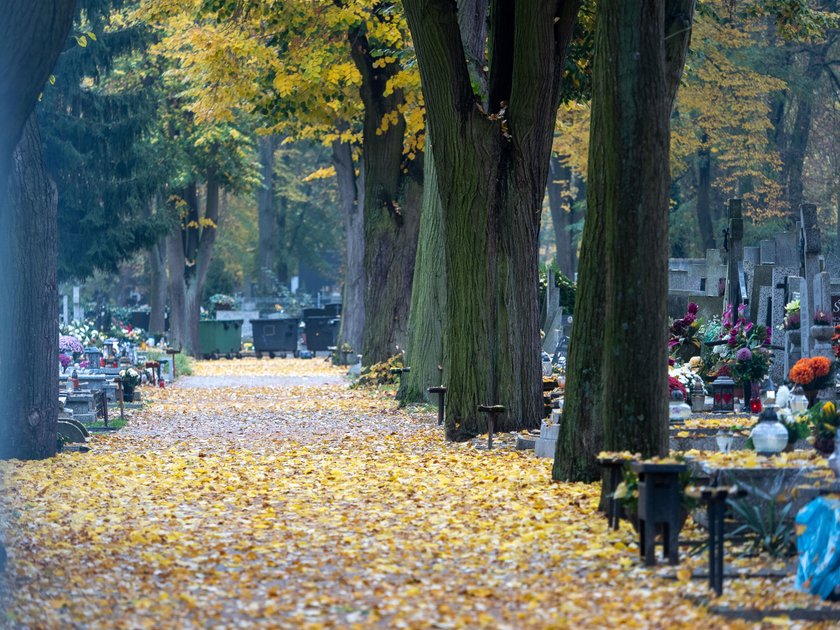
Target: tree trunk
[[633, 94], [268, 241], [392, 209], [559, 195], [29, 317], [492, 172], [351, 193], [32, 35], [176, 288], [157, 287], [428, 296], [704, 187], [620, 280]]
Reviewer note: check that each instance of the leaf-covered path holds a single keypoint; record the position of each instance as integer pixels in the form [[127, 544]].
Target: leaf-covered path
[[297, 502]]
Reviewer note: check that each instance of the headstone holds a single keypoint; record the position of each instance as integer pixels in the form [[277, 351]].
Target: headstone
[[767, 251], [760, 286], [811, 248], [549, 432], [753, 255], [786, 249], [735, 259], [714, 273], [65, 309], [78, 313]]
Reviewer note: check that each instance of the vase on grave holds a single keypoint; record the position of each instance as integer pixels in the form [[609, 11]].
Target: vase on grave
[[128, 393], [822, 332], [795, 337]]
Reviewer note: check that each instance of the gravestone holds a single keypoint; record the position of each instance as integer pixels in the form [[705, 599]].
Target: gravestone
[[715, 272], [735, 285], [767, 249], [811, 248], [546, 444], [786, 250], [753, 255]]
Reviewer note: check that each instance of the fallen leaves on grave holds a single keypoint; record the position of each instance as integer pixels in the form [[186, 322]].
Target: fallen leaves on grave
[[317, 507]]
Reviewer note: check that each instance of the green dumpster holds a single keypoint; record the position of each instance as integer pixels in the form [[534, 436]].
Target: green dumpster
[[217, 338]]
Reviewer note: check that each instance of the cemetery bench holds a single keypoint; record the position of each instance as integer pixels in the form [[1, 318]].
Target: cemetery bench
[[715, 500], [660, 509], [614, 468], [441, 392]]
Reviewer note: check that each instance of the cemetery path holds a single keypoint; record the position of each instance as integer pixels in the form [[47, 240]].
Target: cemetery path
[[307, 504]]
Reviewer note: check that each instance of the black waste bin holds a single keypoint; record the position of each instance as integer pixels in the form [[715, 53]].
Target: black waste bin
[[275, 335], [321, 332]]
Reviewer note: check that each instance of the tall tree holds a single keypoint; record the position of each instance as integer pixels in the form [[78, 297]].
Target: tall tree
[[351, 195], [95, 120], [268, 238], [31, 38], [492, 164], [29, 388], [639, 56]]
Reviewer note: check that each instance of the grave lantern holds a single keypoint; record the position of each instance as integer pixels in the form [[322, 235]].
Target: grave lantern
[[723, 394], [769, 436], [93, 355]]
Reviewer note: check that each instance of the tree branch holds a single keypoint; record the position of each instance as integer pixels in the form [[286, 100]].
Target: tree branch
[[678, 19], [440, 56]]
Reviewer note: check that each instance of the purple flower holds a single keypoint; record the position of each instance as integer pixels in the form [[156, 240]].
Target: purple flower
[[744, 354], [68, 343], [64, 360], [692, 308]]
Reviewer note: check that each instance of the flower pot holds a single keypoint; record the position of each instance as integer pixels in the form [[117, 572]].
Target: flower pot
[[822, 333], [811, 395], [795, 337], [128, 393], [824, 446]]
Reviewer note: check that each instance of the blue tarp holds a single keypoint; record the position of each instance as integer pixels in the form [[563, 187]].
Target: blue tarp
[[818, 542]]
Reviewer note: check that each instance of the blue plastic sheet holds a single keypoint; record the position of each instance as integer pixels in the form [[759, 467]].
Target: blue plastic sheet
[[818, 542]]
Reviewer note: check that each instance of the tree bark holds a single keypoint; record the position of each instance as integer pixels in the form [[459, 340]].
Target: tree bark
[[393, 195], [32, 35], [640, 49], [492, 171], [157, 287], [428, 296], [29, 317], [268, 241], [351, 198], [704, 188]]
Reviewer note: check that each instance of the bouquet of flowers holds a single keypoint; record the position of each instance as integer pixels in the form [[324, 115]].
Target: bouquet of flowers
[[130, 377], [792, 319], [821, 318], [812, 373], [746, 354], [70, 345], [684, 341]]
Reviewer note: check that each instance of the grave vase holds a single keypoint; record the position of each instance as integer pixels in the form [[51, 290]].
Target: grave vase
[[128, 393]]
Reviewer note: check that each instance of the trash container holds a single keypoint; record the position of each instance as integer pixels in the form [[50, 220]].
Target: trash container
[[275, 336], [216, 337], [321, 332]]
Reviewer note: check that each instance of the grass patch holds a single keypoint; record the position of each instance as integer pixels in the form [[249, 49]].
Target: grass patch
[[116, 423], [183, 363]]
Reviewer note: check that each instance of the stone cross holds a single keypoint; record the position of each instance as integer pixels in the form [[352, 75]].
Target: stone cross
[[810, 249], [735, 246]]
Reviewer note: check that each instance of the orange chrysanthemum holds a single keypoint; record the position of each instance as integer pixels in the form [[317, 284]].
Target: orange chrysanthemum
[[802, 373], [821, 366]]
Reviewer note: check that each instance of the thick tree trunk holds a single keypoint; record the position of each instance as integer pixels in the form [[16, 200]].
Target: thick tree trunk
[[351, 198], [176, 289], [32, 34], [631, 66], [392, 210], [704, 188], [559, 195], [268, 241], [632, 91], [428, 296], [29, 317], [492, 172], [157, 287]]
